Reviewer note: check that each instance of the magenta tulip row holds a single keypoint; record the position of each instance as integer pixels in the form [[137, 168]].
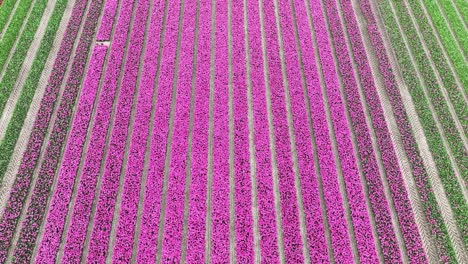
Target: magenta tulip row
[[58, 210], [174, 214], [23, 180], [360, 218], [242, 179], [36, 209], [107, 20], [264, 179], [366, 152], [289, 207], [220, 182], [149, 229], [198, 182], [70, 162], [389, 159]]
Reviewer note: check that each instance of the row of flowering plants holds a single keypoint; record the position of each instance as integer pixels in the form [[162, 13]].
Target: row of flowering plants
[[15, 63], [107, 21], [289, 216], [176, 175], [114, 166], [28, 90], [70, 163], [394, 177], [10, 35], [35, 210], [199, 162], [359, 215], [441, 157], [263, 167], [159, 126]]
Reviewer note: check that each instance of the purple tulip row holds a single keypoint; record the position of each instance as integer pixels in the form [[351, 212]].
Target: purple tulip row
[[66, 177], [220, 182], [243, 185], [380, 206], [36, 209], [289, 208], [147, 242], [265, 196], [197, 201], [360, 218], [174, 216], [107, 20], [399, 194], [23, 180], [309, 181]]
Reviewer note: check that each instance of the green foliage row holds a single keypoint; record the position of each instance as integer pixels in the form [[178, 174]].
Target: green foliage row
[[441, 158], [16, 61], [28, 90], [5, 12], [11, 33], [455, 21]]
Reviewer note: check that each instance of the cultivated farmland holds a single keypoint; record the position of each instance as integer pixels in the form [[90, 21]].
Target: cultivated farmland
[[233, 131]]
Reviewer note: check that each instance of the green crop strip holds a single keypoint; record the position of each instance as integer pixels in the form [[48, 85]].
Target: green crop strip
[[17, 60], [11, 33], [435, 94], [455, 22], [445, 169], [8, 143], [462, 6], [449, 41], [5, 12]]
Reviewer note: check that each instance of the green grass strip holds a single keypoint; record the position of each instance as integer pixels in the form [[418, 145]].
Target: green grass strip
[[11, 34], [455, 22], [441, 158], [16, 62], [5, 12], [462, 6], [8, 143], [448, 40]]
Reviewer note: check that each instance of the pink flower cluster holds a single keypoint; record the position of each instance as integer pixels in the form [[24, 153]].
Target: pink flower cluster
[[23, 180], [66, 177], [107, 20]]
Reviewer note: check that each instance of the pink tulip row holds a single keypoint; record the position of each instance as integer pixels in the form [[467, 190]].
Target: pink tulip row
[[360, 218], [380, 207], [66, 177], [198, 182], [220, 182], [394, 176], [145, 100], [36, 209], [289, 208], [23, 180], [174, 214], [243, 185], [107, 20], [92, 162], [311, 197], [147, 242], [264, 179]]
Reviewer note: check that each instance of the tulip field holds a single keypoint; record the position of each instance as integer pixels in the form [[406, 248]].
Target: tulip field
[[233, 131]]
